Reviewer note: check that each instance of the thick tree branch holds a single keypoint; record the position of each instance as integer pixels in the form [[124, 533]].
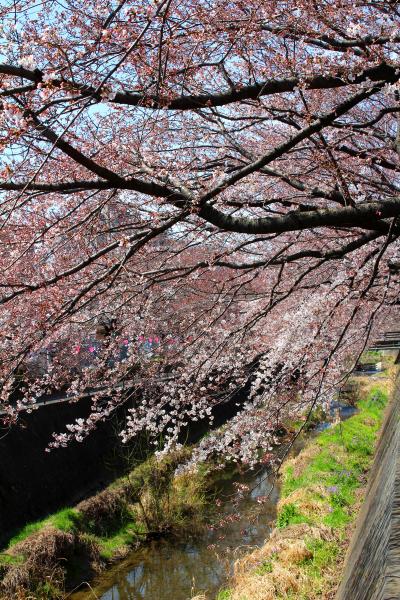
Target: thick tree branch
[[381, 72], [358, 216]]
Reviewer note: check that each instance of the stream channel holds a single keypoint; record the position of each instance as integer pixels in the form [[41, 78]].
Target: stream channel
[[171, 569]]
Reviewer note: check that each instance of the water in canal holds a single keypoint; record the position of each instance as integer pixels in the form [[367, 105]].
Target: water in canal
[[170, 569]]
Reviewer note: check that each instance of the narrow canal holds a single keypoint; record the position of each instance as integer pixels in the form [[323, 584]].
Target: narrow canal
[[180, 569]]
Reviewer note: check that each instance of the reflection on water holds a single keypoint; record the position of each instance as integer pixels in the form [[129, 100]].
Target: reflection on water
[[177, 570], [336, 409], [167, 572], [171, 570]]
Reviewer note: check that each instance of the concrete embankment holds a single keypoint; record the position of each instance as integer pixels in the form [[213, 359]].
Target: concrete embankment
[[372, 570]]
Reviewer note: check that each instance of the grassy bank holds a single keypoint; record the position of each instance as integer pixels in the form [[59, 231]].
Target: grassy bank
[[50, 556], [322, 490]]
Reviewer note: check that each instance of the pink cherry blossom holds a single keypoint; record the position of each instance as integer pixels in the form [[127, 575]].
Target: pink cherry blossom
[[224, 176]]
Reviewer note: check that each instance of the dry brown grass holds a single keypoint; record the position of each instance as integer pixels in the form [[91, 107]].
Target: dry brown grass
[[281, 581], [282, 553], [296, 552], [43, 555], [280, 541], [103, 508], [303, 531], [300, 462], [260, 587], [274, 571], [387, 381], [311, 501]]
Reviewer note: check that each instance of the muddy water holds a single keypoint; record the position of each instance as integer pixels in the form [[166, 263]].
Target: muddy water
[[177, 570]]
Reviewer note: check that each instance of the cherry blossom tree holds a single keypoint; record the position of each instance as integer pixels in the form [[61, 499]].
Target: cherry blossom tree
[[220, 178]]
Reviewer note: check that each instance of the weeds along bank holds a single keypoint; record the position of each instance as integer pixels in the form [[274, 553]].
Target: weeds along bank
[[51, 556], [322, 491], [48, 558]]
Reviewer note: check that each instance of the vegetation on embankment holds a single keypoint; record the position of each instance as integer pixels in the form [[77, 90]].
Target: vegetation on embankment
[[322, 490], [53, 555], [319, 499]]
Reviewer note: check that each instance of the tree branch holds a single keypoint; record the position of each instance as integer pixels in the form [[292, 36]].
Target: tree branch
[[367, 214], [383, 71]]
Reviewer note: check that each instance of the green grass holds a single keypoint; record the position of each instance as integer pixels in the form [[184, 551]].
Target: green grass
[[324, 554], [265, 568], [150, 499], [120, 540], [115, 537], [65, 519], [8, 559], [25, 532], [106, 526], [290, 515], [371, 356], [224, 594], [328, 483], [47, 591], [344, 454]]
